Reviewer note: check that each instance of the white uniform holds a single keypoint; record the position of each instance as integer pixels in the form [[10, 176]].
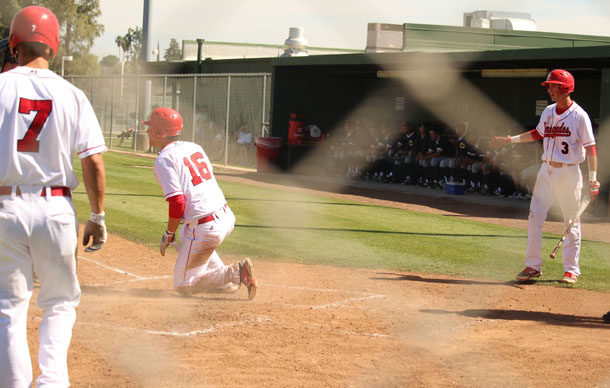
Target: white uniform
[[44, 120], [184, 168], [565, 138]]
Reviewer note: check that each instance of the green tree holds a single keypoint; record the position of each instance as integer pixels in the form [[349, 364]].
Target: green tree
[[77, 22], [8, 9], [131, 45], [173, 52], [110, 64], [86, 64], [123, 43]]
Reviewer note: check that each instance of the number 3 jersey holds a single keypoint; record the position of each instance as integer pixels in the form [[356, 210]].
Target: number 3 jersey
[[565, 135], [183, 168], [44, 120]]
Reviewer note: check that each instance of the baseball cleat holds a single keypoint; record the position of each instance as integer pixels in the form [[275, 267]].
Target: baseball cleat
[[569, 278], [246, 277], [527, 274], [94, 247], [606, 317]]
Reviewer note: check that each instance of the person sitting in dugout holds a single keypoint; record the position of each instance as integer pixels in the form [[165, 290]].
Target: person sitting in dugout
[[405, 157], [439, 149]]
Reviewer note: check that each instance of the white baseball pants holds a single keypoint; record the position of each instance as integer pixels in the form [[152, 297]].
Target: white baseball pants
[[565, 184], [199, 268], [38, 231]]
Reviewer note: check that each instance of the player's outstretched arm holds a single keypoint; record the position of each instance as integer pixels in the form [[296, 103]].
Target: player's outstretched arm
[[525, 137], [94, 177]]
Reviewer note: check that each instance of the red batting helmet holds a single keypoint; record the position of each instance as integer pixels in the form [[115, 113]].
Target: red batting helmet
[[35, 24], [560, 77], [164, 122]]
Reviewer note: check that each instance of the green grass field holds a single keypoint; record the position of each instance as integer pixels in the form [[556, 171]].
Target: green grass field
[[278, 225]]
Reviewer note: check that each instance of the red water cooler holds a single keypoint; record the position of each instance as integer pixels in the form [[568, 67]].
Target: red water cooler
[[296, 133]]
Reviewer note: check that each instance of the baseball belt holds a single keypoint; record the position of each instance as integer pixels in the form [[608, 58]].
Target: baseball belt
[[55, 191], [209, 218], [558, 164]]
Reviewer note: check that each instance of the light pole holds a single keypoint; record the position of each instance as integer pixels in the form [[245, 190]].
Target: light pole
[[63, 59]]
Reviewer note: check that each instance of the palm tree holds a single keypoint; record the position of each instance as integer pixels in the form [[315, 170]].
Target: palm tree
[[124, 43]]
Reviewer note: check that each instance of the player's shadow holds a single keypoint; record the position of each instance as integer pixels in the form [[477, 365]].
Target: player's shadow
[[416, 278], [525, 315], [156, 293]]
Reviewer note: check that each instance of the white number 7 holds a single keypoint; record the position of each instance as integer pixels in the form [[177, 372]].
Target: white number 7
[[33, 27]]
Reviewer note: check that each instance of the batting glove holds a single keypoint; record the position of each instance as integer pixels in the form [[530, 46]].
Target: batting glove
[[167, 238], [594, 186], [96, 229]]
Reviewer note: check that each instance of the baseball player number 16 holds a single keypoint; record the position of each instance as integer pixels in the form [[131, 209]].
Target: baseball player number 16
[[202, 167]]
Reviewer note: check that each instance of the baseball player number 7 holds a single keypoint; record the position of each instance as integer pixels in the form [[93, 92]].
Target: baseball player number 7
[[43, 108], [202, 167]]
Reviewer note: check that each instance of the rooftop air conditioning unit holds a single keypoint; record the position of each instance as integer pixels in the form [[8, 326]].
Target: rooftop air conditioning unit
[[296, 43], [500, 20], [384, 37]]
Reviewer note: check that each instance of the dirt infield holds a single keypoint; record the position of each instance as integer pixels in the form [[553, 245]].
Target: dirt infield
[[317, 326]]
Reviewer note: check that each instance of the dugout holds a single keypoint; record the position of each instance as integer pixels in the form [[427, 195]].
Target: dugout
[[329, 89]]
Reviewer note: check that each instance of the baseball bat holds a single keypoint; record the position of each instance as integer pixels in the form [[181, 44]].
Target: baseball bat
[[581, 210]]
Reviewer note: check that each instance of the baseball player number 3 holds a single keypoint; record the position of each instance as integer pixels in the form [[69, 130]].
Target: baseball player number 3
[[567, 139]]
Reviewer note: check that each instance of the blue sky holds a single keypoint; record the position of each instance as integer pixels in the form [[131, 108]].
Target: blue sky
[[326, 23]]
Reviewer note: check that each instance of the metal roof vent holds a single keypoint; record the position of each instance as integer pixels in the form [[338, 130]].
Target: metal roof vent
[[296, 43], [500, 20]]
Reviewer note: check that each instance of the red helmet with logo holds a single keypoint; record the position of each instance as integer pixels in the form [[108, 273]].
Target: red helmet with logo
[[35, 24], [164, 123], [560, 77]]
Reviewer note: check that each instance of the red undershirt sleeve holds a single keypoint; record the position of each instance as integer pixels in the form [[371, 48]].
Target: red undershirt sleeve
[[536, 135], [176, 206], [591, 150]]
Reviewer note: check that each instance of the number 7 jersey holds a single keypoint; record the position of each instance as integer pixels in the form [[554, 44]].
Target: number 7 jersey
[[565, 135], [44, 120], [183, 168]]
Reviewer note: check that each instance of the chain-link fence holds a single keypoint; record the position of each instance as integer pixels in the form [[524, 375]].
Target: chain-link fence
[[223, 113]]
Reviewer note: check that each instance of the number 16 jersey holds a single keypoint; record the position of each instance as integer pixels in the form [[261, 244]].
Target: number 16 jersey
[[183, 168]]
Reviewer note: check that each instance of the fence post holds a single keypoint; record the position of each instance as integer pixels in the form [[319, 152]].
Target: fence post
[[111, 111], [227, 121], [194, 112], [135, 131], [263, 111], [121, 98], [164, 89]]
